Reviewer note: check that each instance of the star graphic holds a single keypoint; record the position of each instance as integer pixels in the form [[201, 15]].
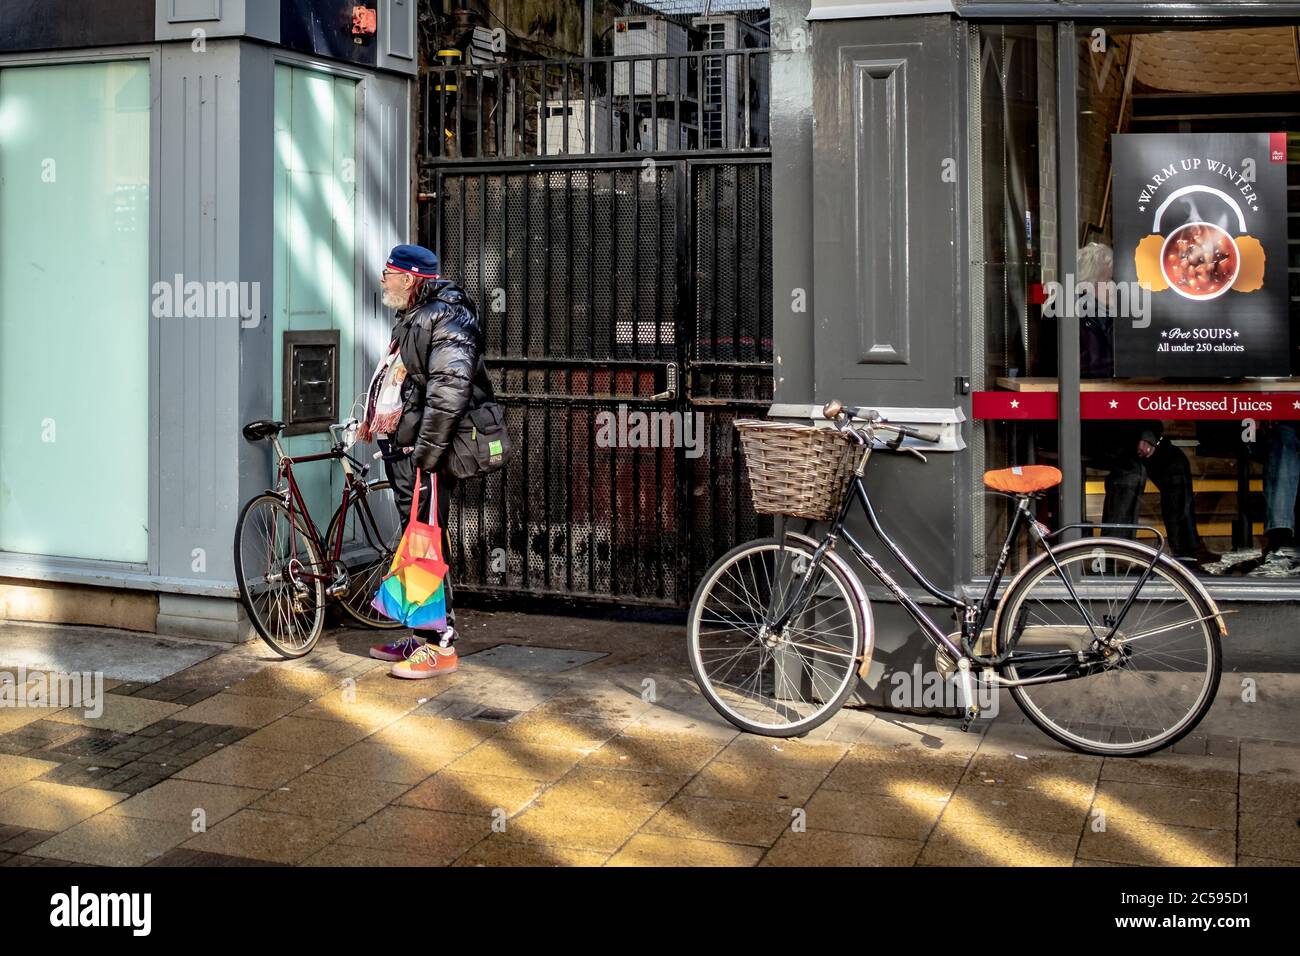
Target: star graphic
[[1016, 404], [1254, 209], [1142, 208], [1164, 335], [1295, 405], [1236, 333], [1114, 404]]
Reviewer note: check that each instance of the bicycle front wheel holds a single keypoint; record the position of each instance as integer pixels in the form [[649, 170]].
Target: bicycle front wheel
[[372, 529], [1158, 677], [280, 573], [777, 683]]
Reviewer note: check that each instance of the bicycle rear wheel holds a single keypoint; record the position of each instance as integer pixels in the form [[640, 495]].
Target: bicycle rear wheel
[[279, 569], [775, 684], [1161, 673], [371, 525]]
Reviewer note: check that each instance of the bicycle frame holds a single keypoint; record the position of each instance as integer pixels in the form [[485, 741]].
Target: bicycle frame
[[974, 615], [353, 486]]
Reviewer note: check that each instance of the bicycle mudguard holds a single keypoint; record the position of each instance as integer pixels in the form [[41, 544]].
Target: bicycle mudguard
[[1165, 560], [859, 592]]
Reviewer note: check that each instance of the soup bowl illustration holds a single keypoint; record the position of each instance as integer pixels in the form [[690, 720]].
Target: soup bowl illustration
[[1200, 260]]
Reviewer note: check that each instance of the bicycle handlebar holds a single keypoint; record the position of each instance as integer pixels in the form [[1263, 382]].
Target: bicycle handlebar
[[920, 434], [842, 414]]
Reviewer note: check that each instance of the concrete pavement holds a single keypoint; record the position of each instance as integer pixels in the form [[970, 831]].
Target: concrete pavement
[[579, 741]]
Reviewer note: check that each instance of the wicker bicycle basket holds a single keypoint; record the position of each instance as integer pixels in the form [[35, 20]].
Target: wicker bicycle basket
[[796, 470]]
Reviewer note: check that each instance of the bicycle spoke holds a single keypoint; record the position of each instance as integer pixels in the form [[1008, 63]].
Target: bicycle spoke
[[756, 676], [1157, 677], [279, 574]]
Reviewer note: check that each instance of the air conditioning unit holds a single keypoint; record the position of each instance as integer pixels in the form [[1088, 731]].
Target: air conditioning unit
[[482, 48], [588, 126], [672, 135], [729, 95], [646, 36]]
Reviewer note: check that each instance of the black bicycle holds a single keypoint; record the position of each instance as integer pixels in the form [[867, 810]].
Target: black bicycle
[[1107, 644]]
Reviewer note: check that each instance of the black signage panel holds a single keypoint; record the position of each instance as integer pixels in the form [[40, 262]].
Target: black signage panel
[[72, 24], [1201, 255]]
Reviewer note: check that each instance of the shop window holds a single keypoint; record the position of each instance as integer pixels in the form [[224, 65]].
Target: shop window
[[1182, 278], [1186, 178], [1013, 250], [74, 310]]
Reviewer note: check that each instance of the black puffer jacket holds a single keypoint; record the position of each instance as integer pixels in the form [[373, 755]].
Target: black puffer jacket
[[440, 342]]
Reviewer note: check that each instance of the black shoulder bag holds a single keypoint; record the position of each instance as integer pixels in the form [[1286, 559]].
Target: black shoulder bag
[[481, 443]]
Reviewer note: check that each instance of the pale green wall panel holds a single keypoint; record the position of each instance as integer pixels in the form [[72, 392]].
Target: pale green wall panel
[[74, 310], [315, 241]]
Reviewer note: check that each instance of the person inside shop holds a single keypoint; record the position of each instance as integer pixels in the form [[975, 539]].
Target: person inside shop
[[1279, 558], [1281, 483], [1131, 451]]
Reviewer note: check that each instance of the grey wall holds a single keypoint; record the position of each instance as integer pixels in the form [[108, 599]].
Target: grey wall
[[398, 38], [395, 45], [792, 197], [198, 214], [197, 194], [216, 218], [860, 183], [257, 254], [888, 286], [177, 19]]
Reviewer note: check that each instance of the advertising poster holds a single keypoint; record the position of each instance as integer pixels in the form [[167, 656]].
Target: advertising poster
[[1201, 255]]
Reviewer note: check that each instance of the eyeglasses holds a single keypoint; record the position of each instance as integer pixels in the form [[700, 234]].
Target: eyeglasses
[[389, 272]]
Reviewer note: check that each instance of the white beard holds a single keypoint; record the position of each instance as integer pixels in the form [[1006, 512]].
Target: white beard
[[393, 300]]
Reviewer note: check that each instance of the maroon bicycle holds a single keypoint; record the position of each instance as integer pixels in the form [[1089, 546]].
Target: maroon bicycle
[[287, 571]]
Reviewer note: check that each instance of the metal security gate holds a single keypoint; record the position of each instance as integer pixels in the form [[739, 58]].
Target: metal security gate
[[627, 309]]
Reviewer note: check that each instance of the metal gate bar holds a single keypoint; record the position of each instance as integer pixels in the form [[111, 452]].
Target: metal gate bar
[[551, 253]]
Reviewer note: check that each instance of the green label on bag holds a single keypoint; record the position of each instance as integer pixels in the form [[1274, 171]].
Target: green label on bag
[[494, 447]]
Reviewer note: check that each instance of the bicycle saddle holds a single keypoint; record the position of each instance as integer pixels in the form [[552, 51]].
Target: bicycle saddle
[[256, 431], [1023, 479]]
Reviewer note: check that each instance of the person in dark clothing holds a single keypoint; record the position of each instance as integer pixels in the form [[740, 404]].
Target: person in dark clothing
[[1133, 452], [422, 387]]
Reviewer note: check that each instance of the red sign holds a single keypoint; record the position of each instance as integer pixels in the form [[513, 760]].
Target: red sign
[[1197, 405], [1277, 147], [1014, 405]]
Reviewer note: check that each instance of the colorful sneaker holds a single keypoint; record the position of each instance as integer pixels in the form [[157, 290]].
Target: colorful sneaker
[[1281, 563], [429, 661], [398, 650]]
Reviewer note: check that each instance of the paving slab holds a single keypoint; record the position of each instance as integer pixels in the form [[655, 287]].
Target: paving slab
[[120, 655]]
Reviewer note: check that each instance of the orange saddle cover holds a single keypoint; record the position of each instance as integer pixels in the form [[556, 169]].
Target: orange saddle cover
[[1023, 479]]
